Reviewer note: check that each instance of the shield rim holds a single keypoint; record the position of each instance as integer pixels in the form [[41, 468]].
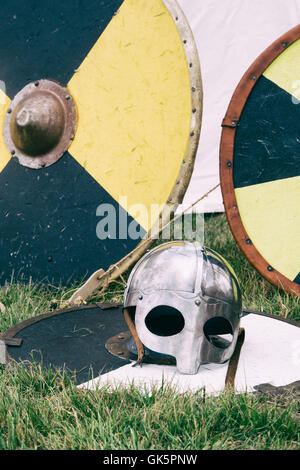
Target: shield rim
[[12, 331], [226, 160]]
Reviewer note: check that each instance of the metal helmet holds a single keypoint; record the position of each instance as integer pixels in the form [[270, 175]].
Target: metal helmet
[[185, 302]]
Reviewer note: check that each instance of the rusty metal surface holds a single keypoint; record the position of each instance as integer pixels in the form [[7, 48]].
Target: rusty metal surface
[[122, 345], [40, 123], [273, 391]]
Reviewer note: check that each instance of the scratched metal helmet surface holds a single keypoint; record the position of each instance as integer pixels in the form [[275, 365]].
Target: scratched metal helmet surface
[[185, 301]]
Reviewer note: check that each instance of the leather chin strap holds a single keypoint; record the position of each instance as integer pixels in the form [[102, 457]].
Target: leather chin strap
[[233, 363], [139, 344], [234, 360]]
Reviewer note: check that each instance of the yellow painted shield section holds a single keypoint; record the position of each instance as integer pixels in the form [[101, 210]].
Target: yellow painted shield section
[[285, 70], [133, 95], [5, 156], [274, 205]]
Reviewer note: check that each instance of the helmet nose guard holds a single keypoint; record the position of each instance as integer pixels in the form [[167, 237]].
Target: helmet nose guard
[[184, 301]]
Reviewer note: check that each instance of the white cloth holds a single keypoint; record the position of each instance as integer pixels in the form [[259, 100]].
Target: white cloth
[[230, 35]]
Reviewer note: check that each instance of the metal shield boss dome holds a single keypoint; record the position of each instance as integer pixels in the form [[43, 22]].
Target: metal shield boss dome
[[185, 301], [40, 123], [37, 123]]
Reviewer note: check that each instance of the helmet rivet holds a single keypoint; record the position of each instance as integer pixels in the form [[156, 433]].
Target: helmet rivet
[[197, 302]]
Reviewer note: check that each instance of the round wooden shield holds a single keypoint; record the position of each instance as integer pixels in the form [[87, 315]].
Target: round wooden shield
[[100, 106], [260, 163], [72, 340]]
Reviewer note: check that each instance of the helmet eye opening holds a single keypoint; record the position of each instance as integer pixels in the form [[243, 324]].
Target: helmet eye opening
[[164, 320], [218, 331]]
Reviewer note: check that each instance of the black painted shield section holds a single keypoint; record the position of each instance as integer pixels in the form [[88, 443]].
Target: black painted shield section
[[267, 142], [48, 224], [73, 341], [297, 279], [48, 39], [48, 217]]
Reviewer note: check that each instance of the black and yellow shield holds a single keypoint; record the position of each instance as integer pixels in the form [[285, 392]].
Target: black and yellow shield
[[132, 69], [260, 163]]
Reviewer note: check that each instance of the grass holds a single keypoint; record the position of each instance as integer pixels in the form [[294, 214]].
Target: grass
[[44, 410]]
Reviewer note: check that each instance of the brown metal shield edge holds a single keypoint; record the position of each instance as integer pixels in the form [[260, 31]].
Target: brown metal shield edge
[[229, 125]]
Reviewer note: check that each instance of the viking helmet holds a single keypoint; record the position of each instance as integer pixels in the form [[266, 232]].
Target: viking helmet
[[185, 302]]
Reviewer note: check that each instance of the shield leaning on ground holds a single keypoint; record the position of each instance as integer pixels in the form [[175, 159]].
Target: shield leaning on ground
[[260, 163], [101, 107], [93, 340]]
